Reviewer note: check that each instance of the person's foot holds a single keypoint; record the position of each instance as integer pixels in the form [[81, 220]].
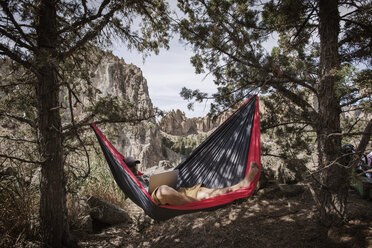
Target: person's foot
[[251, 174]]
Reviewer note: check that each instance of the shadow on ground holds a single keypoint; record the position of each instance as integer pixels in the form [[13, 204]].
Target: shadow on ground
[[264, 220]]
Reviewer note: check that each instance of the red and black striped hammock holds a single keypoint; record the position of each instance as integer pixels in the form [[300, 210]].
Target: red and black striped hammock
[[221, 160]]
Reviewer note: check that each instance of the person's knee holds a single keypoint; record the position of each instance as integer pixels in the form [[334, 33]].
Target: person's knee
[[163, 193]]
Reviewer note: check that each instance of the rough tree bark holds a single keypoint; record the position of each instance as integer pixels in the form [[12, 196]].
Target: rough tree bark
[[334, 176], [53, 211]]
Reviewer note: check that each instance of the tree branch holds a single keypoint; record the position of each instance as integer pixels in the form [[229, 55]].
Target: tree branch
[[366, 138], [308, 111], [365, 26], [16, 40], [17, 140], [76, 132], [20, 159], [348, 134], [299, 82], [365, 172], [84, 122], [368, 94], [283, 124], [4, 5], [305, 22], [21, 119], [4, 50], [273, 155], [84, 20], [90, 34], [13, 85], [222, 51]]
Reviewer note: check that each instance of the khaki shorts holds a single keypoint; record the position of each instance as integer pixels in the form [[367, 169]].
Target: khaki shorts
[[191, 192]]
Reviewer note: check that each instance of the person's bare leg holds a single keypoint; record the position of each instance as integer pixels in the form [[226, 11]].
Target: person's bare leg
[[168, 195], [251, 175], [204, 193]]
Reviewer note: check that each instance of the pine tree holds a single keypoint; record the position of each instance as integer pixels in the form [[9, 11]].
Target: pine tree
[[313, 74], [45, 40]]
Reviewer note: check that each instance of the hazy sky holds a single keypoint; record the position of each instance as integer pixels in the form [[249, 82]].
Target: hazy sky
[[167, 73]]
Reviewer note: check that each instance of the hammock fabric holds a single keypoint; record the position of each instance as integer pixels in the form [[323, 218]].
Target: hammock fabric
[[222, 160]]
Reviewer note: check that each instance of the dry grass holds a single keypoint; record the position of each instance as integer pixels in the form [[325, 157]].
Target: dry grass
[[20, 195], [100, 184], [19, 201]]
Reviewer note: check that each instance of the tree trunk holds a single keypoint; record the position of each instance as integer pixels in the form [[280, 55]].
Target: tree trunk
[[334, 176], [53, 211]]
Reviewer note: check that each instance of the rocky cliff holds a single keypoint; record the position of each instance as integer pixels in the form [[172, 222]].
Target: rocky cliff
[[176, 123], [116, 78], [148, 140]]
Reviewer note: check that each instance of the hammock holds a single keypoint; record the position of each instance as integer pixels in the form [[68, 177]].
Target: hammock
[[221, 160]]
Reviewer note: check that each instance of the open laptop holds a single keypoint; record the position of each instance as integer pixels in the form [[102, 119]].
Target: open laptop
[[166, 178]]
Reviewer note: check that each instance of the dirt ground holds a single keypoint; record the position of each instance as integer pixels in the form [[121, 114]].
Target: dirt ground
[[267, 219]]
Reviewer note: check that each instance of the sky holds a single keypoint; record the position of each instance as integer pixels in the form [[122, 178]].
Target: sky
[[169, 71], [166, 74]]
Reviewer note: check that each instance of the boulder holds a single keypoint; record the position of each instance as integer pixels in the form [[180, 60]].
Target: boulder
[[106, 212], [290, 190], [285, 175], [86, 223], [165, 164]]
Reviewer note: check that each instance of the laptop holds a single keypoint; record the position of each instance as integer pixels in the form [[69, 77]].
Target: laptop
[[166, 178]]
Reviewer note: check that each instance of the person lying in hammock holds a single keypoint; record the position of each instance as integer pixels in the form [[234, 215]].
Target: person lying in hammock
[[167, 195]]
